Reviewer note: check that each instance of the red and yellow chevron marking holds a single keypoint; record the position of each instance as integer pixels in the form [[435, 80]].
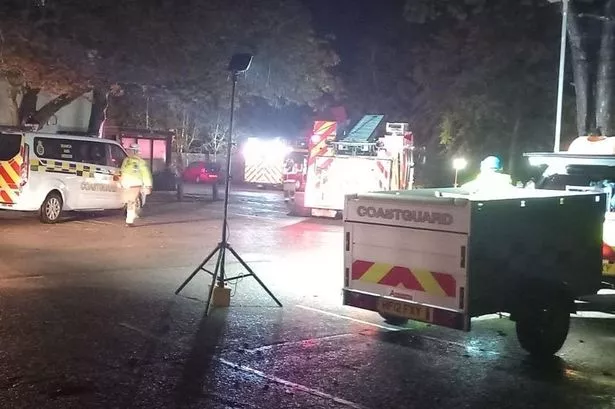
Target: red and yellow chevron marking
[[384, 175], [261, 173], [327, 128], [10, 178], [440, 284], [324, 130], [608, 269]]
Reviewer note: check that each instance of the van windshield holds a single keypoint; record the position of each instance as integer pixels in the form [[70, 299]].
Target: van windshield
[[10, 144], [576, 177]]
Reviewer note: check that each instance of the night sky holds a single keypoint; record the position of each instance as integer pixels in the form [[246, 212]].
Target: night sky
[[352, 21]]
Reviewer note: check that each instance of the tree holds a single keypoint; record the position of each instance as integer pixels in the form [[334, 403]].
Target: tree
[[591, 33], [486, 80], [591, 30], [217, 141], [178, 52], [32, 61]]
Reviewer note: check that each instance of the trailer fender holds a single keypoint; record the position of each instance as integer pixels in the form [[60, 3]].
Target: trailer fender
[[532, 292]]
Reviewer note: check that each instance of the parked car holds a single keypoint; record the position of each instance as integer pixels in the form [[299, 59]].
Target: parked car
[[202, 172]]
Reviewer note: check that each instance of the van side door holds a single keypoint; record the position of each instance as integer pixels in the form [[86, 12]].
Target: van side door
[[115, 158], [57, 164]]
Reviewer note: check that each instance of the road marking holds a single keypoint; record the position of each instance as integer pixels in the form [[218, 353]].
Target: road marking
[[301, 341], [147, 334], [303, 388], [99, 222], [252, 371], [22, 277], [332, 314]]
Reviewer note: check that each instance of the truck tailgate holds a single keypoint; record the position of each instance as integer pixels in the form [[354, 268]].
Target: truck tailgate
[[405, 256]]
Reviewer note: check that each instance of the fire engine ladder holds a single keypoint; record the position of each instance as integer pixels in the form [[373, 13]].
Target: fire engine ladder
[[358, 139]]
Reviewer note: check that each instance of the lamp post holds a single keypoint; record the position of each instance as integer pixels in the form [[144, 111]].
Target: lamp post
[[560, 83], [458, 164], [219, 294]]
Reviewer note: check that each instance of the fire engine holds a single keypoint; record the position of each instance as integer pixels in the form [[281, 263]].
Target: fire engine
[[295, 165], [264, 161], [588, 165], [354, 163]]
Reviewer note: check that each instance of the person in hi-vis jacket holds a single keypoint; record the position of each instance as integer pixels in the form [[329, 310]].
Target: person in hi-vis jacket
[[135, 179], [491, 178]]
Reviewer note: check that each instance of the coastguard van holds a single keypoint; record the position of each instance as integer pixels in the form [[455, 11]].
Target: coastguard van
[[54, 173]]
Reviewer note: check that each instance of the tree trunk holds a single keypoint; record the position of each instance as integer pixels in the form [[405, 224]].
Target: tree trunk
[[581, 72], [28, 104], [604, 77], [46, 111], [99, 103], [514, 140], [9, 105]]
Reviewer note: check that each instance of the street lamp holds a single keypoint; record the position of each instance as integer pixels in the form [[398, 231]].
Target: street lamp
[[459, 164], [560, 84]]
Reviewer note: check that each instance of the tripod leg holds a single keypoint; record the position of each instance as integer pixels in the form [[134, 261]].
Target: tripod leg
[[181, 287], [212, 286], [247, 267], [222, 274]]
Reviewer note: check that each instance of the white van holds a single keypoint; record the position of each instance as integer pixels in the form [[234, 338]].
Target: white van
[[52, 173]]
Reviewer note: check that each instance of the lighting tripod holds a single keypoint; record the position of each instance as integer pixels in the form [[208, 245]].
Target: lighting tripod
[[239, 63]]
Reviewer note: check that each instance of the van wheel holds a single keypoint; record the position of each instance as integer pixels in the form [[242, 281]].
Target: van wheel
[[543, 327], [51, 209], [393, 320]]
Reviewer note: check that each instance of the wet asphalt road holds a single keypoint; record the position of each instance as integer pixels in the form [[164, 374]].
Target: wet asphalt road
[[89, 319]]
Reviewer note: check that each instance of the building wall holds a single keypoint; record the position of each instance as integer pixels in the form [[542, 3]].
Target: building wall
[[74, 117]]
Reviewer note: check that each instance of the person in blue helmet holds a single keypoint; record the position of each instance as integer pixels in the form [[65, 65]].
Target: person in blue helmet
[[490, 177]]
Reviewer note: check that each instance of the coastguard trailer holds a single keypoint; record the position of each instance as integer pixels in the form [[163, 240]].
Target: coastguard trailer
[[444, 256]]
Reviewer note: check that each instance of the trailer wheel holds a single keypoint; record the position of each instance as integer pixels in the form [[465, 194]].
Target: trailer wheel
[[393, 320], [543, 327]]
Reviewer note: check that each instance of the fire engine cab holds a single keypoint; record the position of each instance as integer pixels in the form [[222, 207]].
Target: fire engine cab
[[588, 165], [357, 162]]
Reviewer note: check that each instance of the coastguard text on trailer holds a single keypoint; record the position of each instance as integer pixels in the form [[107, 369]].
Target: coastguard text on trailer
[[418, 216]]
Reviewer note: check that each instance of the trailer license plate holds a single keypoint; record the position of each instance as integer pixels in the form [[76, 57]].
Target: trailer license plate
[[402, 309]]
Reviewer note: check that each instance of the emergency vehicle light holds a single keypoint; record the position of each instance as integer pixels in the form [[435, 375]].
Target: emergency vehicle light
[[265, 149]]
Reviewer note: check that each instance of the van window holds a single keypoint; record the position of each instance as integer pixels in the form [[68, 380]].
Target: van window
[[212, 167], [10, 144], [94, 152], [194, 165], [58, 149], [71, 150], [117, 156]]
